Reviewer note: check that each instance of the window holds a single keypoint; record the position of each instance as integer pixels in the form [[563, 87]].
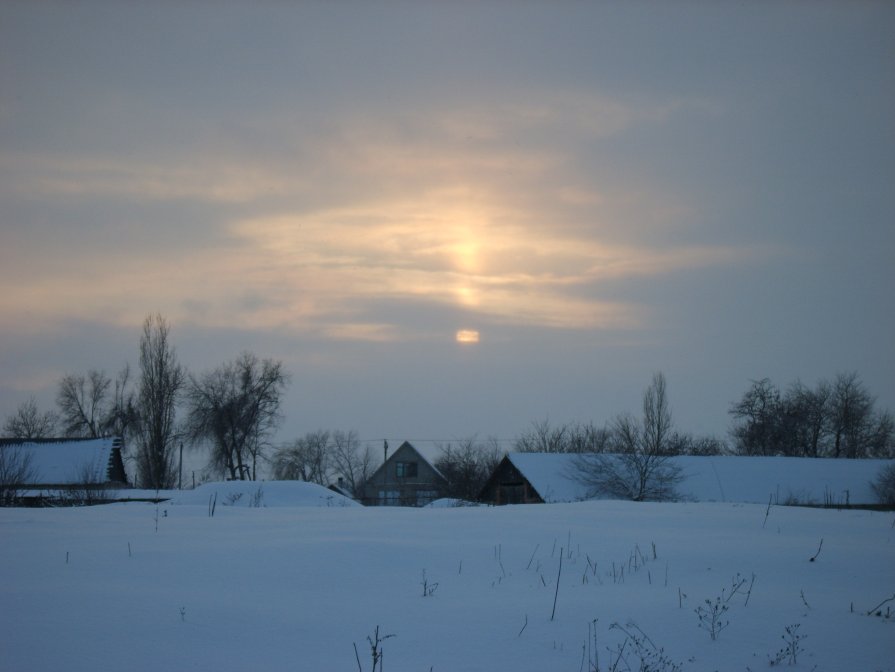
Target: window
[[389, 497], [424, 497], [405, 469]]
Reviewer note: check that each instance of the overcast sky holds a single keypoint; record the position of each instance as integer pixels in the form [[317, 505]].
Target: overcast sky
[[450, 219]]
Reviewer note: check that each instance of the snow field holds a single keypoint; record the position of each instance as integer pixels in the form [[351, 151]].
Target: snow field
[[295, 587]]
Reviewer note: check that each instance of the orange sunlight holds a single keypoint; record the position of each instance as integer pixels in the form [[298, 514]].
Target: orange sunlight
[[467, 336]]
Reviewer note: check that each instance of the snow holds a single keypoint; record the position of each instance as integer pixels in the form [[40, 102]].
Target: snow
[[449, 502], [146, 587], [69, 462], [727, 478], [261, 494]]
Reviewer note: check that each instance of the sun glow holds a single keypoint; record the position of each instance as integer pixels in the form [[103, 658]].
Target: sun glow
[[456, 248], [468, 296], [467, 336], [466, 251]]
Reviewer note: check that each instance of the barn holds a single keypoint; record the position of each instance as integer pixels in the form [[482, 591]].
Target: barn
[[64, 468], [530, 478]]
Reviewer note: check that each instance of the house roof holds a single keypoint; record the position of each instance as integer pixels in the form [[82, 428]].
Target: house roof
[[340, 489], [68, 461], [725, 478], [729, 478], [548, 474], [419, 455], [425, 459]]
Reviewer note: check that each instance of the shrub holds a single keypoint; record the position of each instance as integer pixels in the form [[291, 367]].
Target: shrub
[[884, 485]]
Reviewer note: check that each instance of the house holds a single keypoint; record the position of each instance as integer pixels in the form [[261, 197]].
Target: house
[[341, 487], [529, 478], [406, 478], [532, 478], [60, 468]]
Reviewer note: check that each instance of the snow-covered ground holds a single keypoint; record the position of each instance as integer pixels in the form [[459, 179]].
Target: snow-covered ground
[[295, 584]]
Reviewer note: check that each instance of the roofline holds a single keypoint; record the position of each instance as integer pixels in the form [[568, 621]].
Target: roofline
[[419, 454], [80, 439]]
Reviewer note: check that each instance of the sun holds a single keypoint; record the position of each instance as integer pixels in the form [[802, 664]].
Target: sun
[[467, 336]]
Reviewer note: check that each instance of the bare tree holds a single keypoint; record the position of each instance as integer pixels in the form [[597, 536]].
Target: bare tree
[[884, 485], [82, 403], [467, 465], [858, 431], [569, 438], [28, 422], [542, 438], [656, 418], [687, 444], [16, 470], [349, 462], [236, 408], [641, 467], [758, 413], [121, 416], [588, 438], [91, 407], [306, 459], [882, 439], [161, 381], [835, 419], [807, 419]]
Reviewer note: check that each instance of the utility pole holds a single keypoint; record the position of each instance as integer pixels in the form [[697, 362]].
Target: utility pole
[[385, 471]]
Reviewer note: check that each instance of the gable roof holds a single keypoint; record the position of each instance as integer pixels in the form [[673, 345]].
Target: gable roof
[[548, 474], [63, 462], [341, 490], [725, 478], [405, 446]]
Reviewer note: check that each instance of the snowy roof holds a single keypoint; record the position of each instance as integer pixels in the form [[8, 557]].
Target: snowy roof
[[548, 474], [756, 479], [69, 462], [430, 464], [726, 478]]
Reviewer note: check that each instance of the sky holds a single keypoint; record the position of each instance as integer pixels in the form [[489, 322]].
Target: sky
[[452, 219]]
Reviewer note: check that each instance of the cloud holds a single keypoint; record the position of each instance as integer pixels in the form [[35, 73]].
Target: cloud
[[480, 208], [465, 258], [173, 178]]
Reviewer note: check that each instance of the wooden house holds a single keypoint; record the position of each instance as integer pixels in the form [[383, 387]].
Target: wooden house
[[532, 478], [406, 478], [67, 468]]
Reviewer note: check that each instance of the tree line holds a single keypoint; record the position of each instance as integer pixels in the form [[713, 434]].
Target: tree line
[[836, 418], [234, 410]]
